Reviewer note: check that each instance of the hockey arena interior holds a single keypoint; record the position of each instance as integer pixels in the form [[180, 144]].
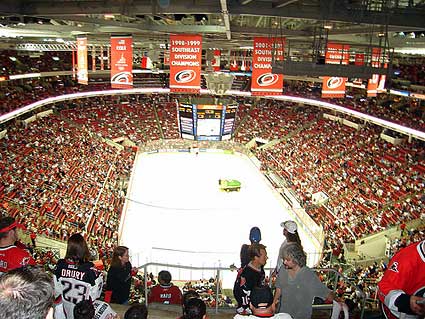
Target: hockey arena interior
[[174, 128]]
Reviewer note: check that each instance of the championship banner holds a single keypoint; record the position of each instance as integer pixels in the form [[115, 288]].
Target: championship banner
[[332, 86], [82, 71], [372, 84], [264, 82], [121, 62], [185, 63]]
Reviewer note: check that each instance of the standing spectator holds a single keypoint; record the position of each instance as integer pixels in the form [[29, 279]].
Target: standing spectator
[[290, 232], [165, 292], [254, 237], [402, 288], [137, 311], [262, 305], [11, 256], [252, 275], [297, 284], [75, 277], [119, 276], [26, 293]]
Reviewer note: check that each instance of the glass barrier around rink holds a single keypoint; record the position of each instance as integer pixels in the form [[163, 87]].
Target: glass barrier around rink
[[215, 284]]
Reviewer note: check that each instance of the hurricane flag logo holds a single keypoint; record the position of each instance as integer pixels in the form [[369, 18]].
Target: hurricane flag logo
[[334, 82], [185, 76], [122, 78], [267, 79]]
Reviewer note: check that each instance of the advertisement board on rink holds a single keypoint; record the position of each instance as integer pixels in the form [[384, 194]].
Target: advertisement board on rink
[[121, 62], [332, 86], [264, 82], [82, 67], [185, 63]]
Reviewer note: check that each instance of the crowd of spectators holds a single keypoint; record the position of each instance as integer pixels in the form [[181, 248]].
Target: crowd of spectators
[[371, 183], [21, 62], [59, 179]]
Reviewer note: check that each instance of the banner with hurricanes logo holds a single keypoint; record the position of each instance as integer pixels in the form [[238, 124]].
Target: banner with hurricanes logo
[[185, 63], [333, 86], [121, 62], [373, 83], [264, 82], [82, 63]]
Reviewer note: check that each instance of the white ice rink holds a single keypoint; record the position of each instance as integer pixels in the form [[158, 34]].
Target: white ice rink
[[176, 213]]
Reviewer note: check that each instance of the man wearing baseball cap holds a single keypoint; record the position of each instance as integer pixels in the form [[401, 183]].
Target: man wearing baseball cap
[[11, 256], [262, 306], [290, 232]]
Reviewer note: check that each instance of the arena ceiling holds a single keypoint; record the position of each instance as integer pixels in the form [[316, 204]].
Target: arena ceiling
[[224, 24]]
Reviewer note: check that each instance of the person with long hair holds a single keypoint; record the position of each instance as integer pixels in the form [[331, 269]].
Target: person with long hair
[[297, 284], [118, 281], [75, 276]]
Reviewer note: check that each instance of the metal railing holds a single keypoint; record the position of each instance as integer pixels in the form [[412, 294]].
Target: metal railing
[[219, 271]]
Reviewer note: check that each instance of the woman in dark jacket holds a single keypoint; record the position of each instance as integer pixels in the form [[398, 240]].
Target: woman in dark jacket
[[119, 276]]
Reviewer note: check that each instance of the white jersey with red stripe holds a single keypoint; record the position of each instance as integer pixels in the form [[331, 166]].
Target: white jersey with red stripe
[[404, 277]]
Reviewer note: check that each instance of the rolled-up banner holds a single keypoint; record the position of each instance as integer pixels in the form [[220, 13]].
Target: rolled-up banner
[[332, 86], [264, 82], [185, 63], [74, 64], [121, 62], [102, 62], [93, 58], [82, 71]]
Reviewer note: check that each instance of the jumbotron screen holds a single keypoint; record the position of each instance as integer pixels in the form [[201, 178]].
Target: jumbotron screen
[[207, 118]]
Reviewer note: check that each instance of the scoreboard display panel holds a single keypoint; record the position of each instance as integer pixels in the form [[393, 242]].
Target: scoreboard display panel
[[207, 119], [186, 119], [229, 121], [208, 122]]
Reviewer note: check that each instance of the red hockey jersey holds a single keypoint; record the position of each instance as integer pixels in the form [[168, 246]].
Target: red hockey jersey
[[405, 275], [166, 294], [12, 257]]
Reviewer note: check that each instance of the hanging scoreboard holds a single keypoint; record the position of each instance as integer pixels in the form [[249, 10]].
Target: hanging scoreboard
[[205, 119]]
